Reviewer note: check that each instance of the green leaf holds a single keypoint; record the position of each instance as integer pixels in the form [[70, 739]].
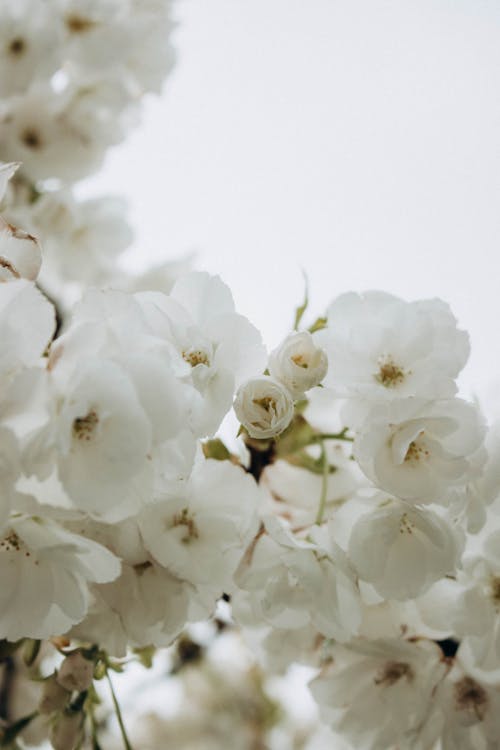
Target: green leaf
[[318, 325], [299, 312], [146, 655], [216, 449]]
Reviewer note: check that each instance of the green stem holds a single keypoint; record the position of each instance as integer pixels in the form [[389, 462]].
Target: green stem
[[333, 436], [119, 716], [324, 485]]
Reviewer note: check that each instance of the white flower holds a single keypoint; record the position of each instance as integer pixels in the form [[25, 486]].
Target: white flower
[[474, 614], [264, 407], [380, 347], [103, 441], [215, 348], [59, 135], [417, 450], [81, 239], [295, 583], [470, 502], [378, 694], [201, 532], [44, 574], [298, 363], [29, 45], [402, 550], [469, 711], [145, 605]]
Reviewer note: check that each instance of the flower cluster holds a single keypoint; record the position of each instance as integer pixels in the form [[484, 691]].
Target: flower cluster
[[351, 522], [72, 76]]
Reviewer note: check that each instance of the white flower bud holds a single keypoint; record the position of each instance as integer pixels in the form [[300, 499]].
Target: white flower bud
[[298, 363], [66, 731], [264, 407], [76, 672], [54, 696]]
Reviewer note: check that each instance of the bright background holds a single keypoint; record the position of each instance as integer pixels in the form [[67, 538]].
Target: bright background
[[358, 140]]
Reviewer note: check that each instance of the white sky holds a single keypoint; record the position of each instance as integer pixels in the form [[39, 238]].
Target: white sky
[[356, 139]]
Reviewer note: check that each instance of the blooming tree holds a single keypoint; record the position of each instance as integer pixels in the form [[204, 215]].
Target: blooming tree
[[353, 521]]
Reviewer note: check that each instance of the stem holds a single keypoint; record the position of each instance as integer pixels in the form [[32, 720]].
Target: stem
[[94, 730], [324, 485], [334, 436], [119, 716]]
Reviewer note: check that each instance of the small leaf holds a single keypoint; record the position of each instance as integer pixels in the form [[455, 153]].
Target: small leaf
[[216, 449], [145, 655], [318, 325], [299, 312]]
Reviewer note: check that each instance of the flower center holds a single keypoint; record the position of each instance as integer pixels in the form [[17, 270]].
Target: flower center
[[17, 46], [390, 374], [184, 519], [405, 525], [392, 672], [417, 451], [12, 543], [196, 357], [470, 696], [268, 403], [31, 138], [300, 361], [85, 427]]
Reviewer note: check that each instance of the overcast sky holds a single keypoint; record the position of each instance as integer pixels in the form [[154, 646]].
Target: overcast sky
[[358, 140]]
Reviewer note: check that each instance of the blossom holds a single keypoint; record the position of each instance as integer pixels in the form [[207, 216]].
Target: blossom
[[30, 47], [298, 363], [264, 407], [103, 439], [469, 711], [44, 575], [401, 550], [417, 450], [81, 239], [200, 532], [295, 582], [213, 347], [378, 694], [145, 605], [383, 348]]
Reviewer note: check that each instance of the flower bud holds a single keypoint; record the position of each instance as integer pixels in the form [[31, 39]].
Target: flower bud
[[298, 363], [264, 407], [54, 696], [65, 732], [76, 672]]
